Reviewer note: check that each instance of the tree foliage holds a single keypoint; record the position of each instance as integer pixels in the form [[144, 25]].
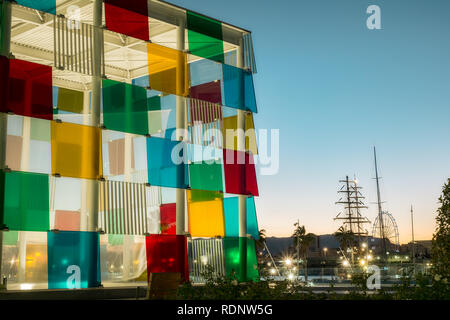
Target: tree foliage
[[304, 239], [441, 238], [345, 238]]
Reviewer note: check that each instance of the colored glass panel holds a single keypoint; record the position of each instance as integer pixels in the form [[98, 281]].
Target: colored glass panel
[[234, 249], [42, 5], [204, 71], [116, 153], [154, 103], [205, 37], [239, 91], [10, 238], [73, 260], [167, 253], [157, 122], [13, 152], [231, 207], [200, 195], [125, 107], [206, 176], [128, 17], [252, 220], [167, 70], [25, 201], [210, 91], [39, 130], [168, 218], [26, 88], [206, 218], [70, 100], [76, 150], [240, 174], [230, 133], [166, 164], [67, 220]]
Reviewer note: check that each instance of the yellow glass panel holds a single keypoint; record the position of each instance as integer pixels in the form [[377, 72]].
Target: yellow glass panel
[[76, 150], [206, 218], [168, 70], [230, 142]]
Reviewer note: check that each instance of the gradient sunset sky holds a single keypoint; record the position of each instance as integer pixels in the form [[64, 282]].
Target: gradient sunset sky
[[335, 89]]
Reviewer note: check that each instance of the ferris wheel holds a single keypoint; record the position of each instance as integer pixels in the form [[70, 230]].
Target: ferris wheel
[[388, 228]]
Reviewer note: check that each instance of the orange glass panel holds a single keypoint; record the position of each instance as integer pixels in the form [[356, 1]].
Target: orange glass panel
[[76, 150], [206, 218], [167, 69]]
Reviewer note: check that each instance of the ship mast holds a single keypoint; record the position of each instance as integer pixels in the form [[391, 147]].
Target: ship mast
[[380, 212], [353, 221]]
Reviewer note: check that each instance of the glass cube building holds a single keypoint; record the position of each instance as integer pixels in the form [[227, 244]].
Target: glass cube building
[[115, 159]]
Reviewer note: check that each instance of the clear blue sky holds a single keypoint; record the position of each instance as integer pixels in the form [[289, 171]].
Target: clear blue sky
[[335, 89]]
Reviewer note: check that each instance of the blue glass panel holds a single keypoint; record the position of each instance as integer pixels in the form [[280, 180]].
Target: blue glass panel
[[42, 5], [238, 88], [141, 82], [73, 260], [169, 102], [164, 171], [231, 209], [55, 96], [252, 221], [170, 134]]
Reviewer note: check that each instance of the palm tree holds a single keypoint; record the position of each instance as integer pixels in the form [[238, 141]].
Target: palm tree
[[346, 239], [302, 241], [260, 243]]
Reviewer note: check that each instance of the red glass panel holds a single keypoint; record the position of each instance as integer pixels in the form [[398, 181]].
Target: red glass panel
[[210, 91], [128, 17], [26, 88], [167, 253], [168, 214], [206, 112], [240, 174]]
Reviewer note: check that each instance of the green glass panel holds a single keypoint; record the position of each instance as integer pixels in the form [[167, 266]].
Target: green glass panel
[[26, 201], [125, 107], [40, 130], [205, 37], [70, 100], [234, 248], [200, 195], [2, 199], [10, 238], [204, 176], [154, 103]]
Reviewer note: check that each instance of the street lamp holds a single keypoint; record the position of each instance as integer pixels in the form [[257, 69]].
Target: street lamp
[[325, 251]]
